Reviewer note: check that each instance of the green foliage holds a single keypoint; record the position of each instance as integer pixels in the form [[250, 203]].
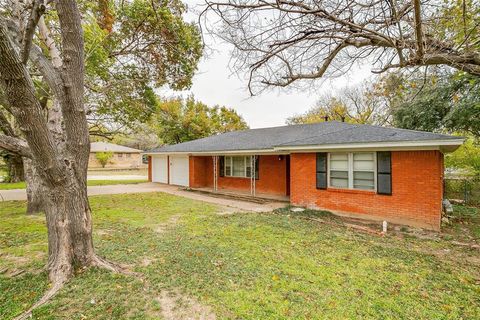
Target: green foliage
[[244, 266], [459, 22], [132, 48], [179, 120], [465, 157], [448, 103], [104, 157]]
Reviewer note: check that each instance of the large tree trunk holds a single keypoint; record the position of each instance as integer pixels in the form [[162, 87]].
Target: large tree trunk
[[69, 225], [34, 188], [15, 168]]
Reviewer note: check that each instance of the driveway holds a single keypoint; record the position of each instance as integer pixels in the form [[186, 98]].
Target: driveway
[[20, 194]]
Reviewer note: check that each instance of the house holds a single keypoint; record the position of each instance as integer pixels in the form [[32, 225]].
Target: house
[[122, 157], [361, 170]]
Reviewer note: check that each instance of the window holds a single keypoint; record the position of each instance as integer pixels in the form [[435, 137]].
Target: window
[[120, 155], [238, 166], [128, 155], [352, 170]]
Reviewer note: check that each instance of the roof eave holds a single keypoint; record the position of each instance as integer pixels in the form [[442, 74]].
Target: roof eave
[[447, 145]]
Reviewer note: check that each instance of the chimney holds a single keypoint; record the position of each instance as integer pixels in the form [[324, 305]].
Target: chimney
[[326, 118]]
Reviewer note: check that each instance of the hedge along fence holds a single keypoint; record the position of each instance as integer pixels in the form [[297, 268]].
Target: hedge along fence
[[465, 189]]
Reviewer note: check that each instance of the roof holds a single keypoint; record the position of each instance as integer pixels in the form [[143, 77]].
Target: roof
[[110, 147], [323, 134]]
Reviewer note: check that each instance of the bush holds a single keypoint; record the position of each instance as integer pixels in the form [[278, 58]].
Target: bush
[[103, 158]]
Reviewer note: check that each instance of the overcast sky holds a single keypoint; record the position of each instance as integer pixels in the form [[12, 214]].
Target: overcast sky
[[214, 84]]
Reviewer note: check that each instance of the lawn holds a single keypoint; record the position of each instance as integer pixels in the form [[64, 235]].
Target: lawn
[[21, 185], [243, 266]]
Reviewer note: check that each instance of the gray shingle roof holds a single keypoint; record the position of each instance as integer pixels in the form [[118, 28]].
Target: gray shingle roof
[[323, 133], [111, 147]]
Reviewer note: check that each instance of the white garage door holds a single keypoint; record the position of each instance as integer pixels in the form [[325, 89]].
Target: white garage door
[[179, 170], [159, 169]]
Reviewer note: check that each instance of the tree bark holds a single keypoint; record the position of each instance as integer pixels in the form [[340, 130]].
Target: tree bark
[[34, 188], [15, 168], [69, 225]]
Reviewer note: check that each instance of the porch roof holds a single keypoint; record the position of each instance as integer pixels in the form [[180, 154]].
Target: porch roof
[[324, 135]]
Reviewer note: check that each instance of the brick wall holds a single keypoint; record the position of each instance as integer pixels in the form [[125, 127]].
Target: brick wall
[[417, 190], [150, 168], [272, 175]]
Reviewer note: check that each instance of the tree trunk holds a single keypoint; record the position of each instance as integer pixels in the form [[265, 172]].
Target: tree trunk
[[69, 225], [15, 168], [34, 188]]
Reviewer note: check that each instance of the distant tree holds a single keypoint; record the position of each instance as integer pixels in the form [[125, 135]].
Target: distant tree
[[466, 157], [179, 120], [280, 42], [358, 104], [446, 103], [104, 158]]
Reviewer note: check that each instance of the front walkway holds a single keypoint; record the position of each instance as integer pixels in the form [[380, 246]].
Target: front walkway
[[20, 194]]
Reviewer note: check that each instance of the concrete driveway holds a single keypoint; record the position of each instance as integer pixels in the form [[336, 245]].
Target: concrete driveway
[[20, 194]]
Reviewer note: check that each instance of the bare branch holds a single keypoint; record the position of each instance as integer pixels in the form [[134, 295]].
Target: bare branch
[[277, 42]]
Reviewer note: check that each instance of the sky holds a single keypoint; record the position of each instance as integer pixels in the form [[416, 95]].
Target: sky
[[214, 84]]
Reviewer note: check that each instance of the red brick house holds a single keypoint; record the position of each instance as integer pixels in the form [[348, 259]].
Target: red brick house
[[367, 171]]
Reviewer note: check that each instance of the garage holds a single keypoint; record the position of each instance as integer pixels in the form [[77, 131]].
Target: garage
[[179, 170], [159, 169]]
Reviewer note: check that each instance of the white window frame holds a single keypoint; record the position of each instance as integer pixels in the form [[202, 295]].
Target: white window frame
[[247, 160], [350, 171]]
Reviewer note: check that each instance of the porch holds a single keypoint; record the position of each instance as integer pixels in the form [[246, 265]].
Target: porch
[[242, 195], [264, 177]]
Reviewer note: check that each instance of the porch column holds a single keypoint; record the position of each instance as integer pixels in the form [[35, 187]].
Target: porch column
[[215, 175], [252, 175]]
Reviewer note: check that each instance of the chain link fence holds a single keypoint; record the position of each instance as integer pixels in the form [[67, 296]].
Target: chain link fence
[[464, 189]]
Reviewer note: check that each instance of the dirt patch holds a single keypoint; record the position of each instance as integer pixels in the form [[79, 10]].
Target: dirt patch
[[176, 306], [103, 232], [165, 226], [226, 210]]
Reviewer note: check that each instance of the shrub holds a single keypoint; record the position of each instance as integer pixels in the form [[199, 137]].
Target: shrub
[[104, 157]]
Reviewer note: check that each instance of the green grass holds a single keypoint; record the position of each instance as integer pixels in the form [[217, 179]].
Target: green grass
[[22, 185], [244, 266]]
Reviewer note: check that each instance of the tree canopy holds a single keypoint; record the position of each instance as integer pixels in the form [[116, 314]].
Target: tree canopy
[[448, 104], [178, 120], [284, 41], [365, 103], [133, 47]]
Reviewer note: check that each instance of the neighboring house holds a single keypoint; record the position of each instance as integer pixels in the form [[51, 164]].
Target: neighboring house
[[368, 171], [123, 157]]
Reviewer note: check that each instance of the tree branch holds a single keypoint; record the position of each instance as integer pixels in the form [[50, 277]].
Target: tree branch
[[38, 9], [73, 111], [19, 91], [15, 145]]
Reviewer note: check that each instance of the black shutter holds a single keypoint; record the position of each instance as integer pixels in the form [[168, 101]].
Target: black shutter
[[321, 170], [222, 166], [384, 172], [257, 165]]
